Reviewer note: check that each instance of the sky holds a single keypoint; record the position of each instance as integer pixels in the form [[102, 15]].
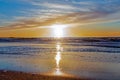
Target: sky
[[59, 18]]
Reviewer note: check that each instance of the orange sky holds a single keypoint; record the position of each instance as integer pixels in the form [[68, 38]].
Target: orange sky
[[83, 31]]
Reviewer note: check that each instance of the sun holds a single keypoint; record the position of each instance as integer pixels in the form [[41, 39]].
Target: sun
[[58, 30]]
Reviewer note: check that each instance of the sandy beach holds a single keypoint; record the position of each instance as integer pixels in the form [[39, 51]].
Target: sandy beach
[[76, 59], [15, 75]]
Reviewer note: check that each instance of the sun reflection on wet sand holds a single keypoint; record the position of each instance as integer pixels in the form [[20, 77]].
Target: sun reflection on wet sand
[[58, 58], [57, 71]]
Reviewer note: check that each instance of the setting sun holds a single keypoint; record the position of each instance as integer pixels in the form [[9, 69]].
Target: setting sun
[[58, 30]]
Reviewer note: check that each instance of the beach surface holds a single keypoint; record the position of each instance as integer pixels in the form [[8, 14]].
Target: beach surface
[[15, 75], [63, 59]]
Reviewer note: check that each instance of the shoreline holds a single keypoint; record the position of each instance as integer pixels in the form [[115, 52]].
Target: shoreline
[[16, 75]]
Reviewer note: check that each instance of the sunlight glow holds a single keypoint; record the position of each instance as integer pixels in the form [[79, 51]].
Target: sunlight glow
[[57, 71], [58, 30], [58, 58]]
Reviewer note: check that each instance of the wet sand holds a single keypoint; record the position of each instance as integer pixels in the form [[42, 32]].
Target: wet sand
[[15, 75], [95, 58]]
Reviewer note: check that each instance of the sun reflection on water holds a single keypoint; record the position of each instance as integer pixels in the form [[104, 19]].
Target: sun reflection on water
[[57, 71], [58, 58]]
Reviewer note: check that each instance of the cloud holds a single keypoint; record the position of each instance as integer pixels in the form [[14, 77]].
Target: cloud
[[72, 18], [60, 6], [45, 13], [55, 6]]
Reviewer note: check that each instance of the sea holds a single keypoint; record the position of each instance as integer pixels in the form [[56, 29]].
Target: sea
[[96, 58]]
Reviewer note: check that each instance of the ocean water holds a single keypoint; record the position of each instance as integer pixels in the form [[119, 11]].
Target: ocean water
[[96, 58]]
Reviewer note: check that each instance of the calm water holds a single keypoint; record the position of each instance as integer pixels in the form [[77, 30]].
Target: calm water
[[97, 58]]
